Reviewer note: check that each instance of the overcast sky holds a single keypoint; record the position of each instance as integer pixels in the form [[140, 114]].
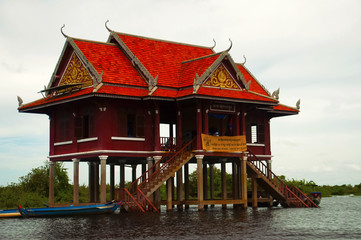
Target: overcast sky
[[311, 50]]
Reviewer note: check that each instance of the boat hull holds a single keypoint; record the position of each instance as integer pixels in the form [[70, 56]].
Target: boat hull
[[69, 211], [9, 213]]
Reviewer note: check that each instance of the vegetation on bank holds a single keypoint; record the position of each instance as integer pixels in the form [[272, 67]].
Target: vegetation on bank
[[32, 190]]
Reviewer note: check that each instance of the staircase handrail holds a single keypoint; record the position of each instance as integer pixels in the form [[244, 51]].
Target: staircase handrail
[[147, 200], [167, 163], [131, 196], [153, 170], [278, 182]]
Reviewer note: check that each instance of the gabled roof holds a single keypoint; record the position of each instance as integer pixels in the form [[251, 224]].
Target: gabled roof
[[140, 68]]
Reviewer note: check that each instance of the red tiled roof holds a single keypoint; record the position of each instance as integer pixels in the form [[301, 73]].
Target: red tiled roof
[[163, 58], [190, 68], [123, 91], [281, 107], [51, 99], [255, 85], [110, 60], [246, 95]]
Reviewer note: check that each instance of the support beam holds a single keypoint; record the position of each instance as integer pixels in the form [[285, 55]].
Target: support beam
[[205, 183], [91, 182], [244, 179], [254, 193], [199, 125], [103, 186], [157, 192], [75, 181], [157, 129], [180, 189], [224, 183], [122, 180], [51, 182], [96, 182], [169, 194], [211, 182], [112, 181], [150, 162], [200, 181], [186, 184]]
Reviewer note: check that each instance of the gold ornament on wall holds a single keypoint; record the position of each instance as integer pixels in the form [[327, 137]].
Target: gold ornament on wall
[[222, 79], [76, 73]]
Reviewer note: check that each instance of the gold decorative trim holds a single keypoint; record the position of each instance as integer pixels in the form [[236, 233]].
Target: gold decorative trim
[[222, 79]]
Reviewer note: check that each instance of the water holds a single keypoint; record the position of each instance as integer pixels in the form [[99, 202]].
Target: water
[[338, 218]]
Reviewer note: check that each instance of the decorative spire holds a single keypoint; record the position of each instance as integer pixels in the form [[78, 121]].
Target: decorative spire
[[20, 101], [298, 104], [61, 30], [229, 46], [214, 45], [245, 60], [276, 94], [106, 26]]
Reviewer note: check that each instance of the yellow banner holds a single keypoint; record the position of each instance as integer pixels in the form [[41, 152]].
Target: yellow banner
[[224, 143]]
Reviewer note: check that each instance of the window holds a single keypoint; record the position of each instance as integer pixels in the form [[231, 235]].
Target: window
[[63, 129], [84, 125], [257, 133], [130, 124]]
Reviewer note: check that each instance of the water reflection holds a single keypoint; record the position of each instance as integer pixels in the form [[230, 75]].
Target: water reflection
[[337, 219]]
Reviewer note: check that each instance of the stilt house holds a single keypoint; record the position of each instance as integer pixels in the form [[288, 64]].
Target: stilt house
[[106, 101]]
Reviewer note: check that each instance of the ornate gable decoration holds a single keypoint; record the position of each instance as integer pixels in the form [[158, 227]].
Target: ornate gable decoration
[[221, 79], [76, 73]]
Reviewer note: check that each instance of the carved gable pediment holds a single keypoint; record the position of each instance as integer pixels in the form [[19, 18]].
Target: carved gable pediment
[[76, 73], [221, 78]]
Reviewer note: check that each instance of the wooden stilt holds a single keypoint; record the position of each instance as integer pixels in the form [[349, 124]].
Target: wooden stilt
[[186, 184], [180, 189], [254, 193], [122, 180], [96, 182], [224, 184], [211, 182], [244, 180], [112, 182], [169, 194], [205, 183]]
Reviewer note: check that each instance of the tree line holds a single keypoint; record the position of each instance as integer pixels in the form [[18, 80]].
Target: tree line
[[32, 190]]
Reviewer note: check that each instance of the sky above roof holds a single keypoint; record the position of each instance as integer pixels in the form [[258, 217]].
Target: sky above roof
[[309, 49]]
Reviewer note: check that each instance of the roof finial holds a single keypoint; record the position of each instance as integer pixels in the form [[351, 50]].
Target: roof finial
[[245, 60], [61, 30], [106, 26], [229, 46], [214, 44], [298, 104]]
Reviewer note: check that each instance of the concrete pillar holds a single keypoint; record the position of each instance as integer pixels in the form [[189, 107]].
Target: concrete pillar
[[150, 162], [244, 180], [75, 181], [224, 183], [211, 182], [51, 182], [200, 181], [180, 189], [199, 125], [254, 193], [112, 181], [103, 186], [169, 194], [186, 184], [205, 183], [91, 182], [157, 192]]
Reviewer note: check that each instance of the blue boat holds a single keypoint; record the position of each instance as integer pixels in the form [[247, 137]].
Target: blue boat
[[69, 211], [8, 213]]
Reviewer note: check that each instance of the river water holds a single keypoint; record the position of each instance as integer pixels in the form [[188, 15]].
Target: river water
[[338, 218]]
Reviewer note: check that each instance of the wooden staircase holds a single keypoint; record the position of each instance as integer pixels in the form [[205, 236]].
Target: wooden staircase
[[160, 172], [287, 196]]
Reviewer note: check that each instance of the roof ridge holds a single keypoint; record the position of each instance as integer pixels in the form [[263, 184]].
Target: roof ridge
[[203, 57], [162, 40], [92, 41]]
